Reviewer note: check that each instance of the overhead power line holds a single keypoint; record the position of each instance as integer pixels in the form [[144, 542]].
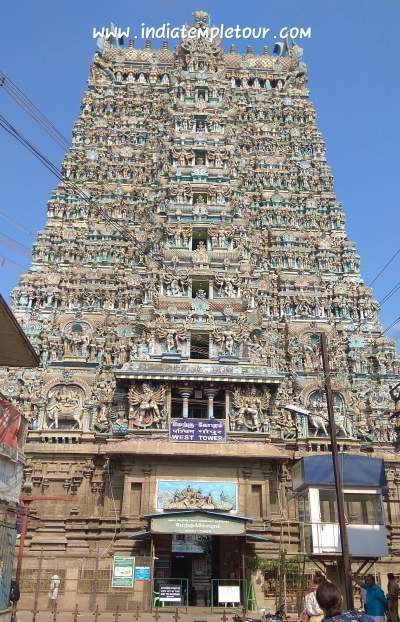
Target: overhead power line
[[14, 245], [387, 264], [29, 107], [9, 264], [24, 101], [16, 224], [396, 321], [84, 196], [390, 293]]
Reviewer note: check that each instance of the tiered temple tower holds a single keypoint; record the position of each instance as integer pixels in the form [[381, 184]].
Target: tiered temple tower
[[191, 258]]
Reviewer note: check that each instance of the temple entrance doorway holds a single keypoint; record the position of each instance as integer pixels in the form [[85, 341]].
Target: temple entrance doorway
[[198, 564], [193, 565], [192, 558]]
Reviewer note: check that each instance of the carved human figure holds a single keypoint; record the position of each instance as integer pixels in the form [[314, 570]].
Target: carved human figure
[[65, 403], [145, 406], [249, 410], [200, 255]]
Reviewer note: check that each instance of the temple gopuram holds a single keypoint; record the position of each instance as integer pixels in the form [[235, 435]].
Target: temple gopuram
[[193, 254]]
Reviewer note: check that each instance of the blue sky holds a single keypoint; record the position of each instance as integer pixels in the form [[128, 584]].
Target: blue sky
[[352, 57]]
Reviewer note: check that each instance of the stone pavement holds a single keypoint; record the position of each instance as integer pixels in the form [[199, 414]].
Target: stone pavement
[[193, 614]]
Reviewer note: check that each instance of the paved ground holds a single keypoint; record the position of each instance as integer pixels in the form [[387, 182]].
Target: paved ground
[[194, 614]]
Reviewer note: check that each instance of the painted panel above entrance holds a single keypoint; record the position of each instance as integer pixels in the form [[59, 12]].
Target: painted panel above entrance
[[194, 495], [199, 523]]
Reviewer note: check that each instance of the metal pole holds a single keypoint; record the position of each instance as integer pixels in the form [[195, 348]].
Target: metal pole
[[24, 526], [348, 583], [152, 564]]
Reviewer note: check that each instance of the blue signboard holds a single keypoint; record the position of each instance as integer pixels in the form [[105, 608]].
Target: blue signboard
[[142, 573], [197, 430]]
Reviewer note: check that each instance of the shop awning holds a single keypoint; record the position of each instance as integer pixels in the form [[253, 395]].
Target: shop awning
[[198, 522], [15, 348], [359, 471], [139, 535], [252, 537]]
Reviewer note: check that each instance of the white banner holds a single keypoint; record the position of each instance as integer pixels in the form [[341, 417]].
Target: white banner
[[229, 594], [10, 479]]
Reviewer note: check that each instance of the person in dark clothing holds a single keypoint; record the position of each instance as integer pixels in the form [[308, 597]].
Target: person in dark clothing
[[14, 593], [14, 598]]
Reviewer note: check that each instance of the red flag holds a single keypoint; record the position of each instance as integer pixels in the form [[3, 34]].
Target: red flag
[[9, 424]]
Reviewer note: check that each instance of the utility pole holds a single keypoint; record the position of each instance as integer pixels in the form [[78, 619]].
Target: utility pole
[[348, 581]]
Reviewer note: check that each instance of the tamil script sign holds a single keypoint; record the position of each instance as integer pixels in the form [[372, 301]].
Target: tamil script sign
[[197, 430], [123, 572], [198, 523], [142, 573], [170, 593]]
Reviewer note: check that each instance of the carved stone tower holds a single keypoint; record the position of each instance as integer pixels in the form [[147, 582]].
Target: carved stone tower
[[192, 255]]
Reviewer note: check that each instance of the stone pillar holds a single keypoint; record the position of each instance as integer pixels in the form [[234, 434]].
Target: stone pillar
[[146, 491], [211, 393], [246, 474], [185, 393]]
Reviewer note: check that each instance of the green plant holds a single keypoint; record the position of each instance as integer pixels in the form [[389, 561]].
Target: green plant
[[291, 565]]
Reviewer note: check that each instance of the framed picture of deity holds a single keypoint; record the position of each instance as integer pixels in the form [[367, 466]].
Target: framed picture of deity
[[195, 495]]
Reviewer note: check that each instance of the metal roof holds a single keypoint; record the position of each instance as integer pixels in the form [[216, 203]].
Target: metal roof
[[199, 511], [15, 348]]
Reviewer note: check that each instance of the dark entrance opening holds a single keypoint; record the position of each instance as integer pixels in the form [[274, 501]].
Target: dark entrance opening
[[181, 566]]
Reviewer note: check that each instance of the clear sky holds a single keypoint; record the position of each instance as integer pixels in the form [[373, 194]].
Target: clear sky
[[353, 61]]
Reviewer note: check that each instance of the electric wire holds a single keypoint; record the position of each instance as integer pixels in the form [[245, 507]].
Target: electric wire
[[387, 264], [115, 511], [14, 245], [396, 321], [391, 293], [16, 224], [29, 107], [7, 263], [12, 131], [32, 110]]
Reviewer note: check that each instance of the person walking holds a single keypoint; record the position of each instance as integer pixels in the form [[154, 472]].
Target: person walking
[[375, 599], [14, 598], [330, 599], [53, 591], [393, 598], [312, 611]]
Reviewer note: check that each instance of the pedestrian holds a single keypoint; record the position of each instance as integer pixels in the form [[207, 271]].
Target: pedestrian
[[312, 611], [53, 591], [14, 592], [363, 598], [393, 598], [330, 599], [14, 598], [375, 599]]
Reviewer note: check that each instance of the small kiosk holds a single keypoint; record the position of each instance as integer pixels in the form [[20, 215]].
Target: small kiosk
[[363, 480]]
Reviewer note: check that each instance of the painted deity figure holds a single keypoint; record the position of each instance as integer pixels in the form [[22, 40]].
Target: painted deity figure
[[145, 406]]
